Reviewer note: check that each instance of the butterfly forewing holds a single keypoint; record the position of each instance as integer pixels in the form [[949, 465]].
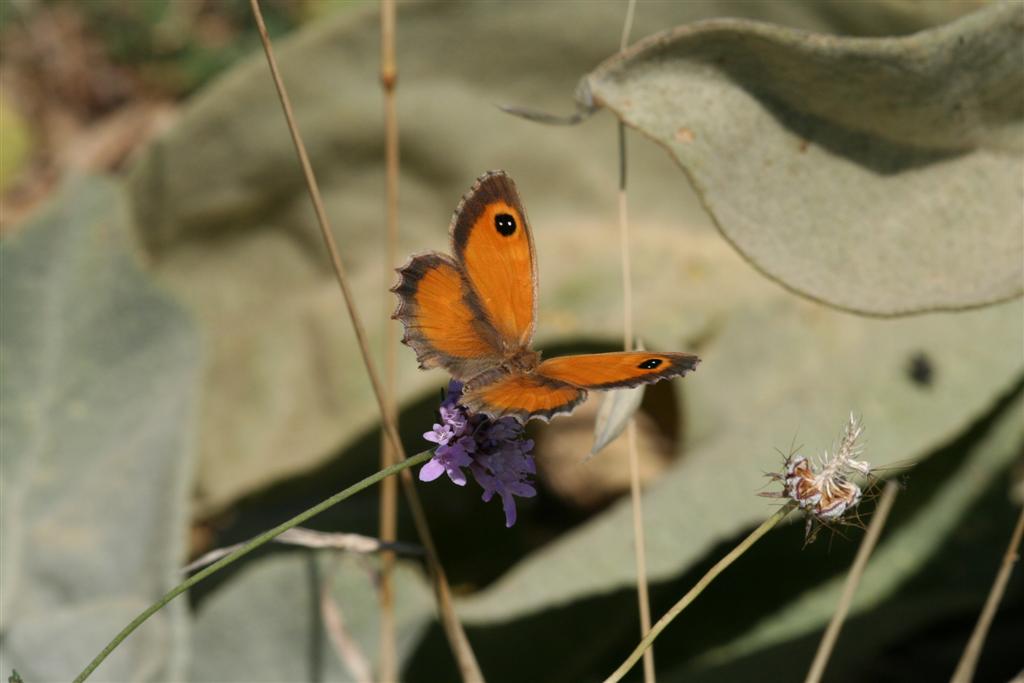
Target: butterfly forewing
[[492, 241], [441, 325], [612, 370]]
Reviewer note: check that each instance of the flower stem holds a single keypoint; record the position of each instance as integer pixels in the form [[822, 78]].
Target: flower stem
[[704, 582], [867, 546], [255, 543]]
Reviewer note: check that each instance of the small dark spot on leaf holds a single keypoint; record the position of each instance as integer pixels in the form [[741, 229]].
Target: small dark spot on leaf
[[920, 369], [650, 364], [505, 224]]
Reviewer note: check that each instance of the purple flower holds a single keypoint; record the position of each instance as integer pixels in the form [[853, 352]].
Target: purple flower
[[440, 434], [450, 458], [495, 451]]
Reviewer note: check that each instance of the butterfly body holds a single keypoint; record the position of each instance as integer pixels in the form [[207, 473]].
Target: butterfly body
[[474, 314], [523, 362]]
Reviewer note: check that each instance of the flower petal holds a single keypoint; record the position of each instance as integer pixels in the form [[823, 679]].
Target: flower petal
[[431, 470], [457, 476], [509, 504]]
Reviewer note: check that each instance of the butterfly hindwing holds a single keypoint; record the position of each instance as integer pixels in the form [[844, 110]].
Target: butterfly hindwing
[[523, 396], [614, 370], [491, 240], [443, 324]]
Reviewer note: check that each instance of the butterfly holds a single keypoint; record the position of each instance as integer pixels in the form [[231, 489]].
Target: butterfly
[[473, 313]]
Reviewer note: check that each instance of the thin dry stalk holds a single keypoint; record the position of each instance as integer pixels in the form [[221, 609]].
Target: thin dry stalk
[[345, 646], [464, 656], [640, 547], [635, 494], [308, 538], [969, 660], [828, 641], [246, 548], [698, 588], [387, 656]]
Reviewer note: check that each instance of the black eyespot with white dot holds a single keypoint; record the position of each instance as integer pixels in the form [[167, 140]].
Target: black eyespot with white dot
[[650, 364], [505, 224]]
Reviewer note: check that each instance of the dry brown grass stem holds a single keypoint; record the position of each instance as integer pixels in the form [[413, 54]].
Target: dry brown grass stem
[[828, 641], [969, 659], [387, 656], [635, 493], [345, 646], [309, 538], [461, 649], [698, 588]]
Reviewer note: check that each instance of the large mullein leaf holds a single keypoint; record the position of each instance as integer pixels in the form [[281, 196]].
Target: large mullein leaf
[[268, 625], [223, 210], [877, 175], [99, 382]]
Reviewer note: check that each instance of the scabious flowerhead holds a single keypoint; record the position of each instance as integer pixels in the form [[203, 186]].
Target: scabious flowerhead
[[825, 491], [495, 451]]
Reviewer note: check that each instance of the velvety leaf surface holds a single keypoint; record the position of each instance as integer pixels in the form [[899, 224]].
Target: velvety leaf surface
[[267, 625], [892, 600], [226, 223], [813, 366], [222, 207], [930, 603], [876, 175], [100, 375]]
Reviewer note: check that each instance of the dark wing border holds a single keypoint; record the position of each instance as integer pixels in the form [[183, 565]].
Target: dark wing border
[[490, 187]]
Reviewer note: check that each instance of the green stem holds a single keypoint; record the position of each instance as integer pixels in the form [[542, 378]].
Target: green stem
[[263, 538], [705, 581]]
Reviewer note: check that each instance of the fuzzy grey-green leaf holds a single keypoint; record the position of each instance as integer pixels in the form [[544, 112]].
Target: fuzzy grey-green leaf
[[877, 175], [99, 375], [222, 209], [267, 624], [898, 558]]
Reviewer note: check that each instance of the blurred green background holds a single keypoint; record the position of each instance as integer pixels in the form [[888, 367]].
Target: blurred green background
[[178, 372]]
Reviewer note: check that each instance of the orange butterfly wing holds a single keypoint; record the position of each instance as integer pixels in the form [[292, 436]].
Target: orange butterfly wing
[[558, 385], [614, 370], [492, 241], [523, 396], [469, 313], [443, 324]]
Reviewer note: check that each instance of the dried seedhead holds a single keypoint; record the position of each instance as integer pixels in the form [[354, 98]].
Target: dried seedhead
[[826, 490]]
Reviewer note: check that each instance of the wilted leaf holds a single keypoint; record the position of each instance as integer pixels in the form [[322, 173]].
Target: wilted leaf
[[617, 408], [100, 371], [267, 625], [876, 175]]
